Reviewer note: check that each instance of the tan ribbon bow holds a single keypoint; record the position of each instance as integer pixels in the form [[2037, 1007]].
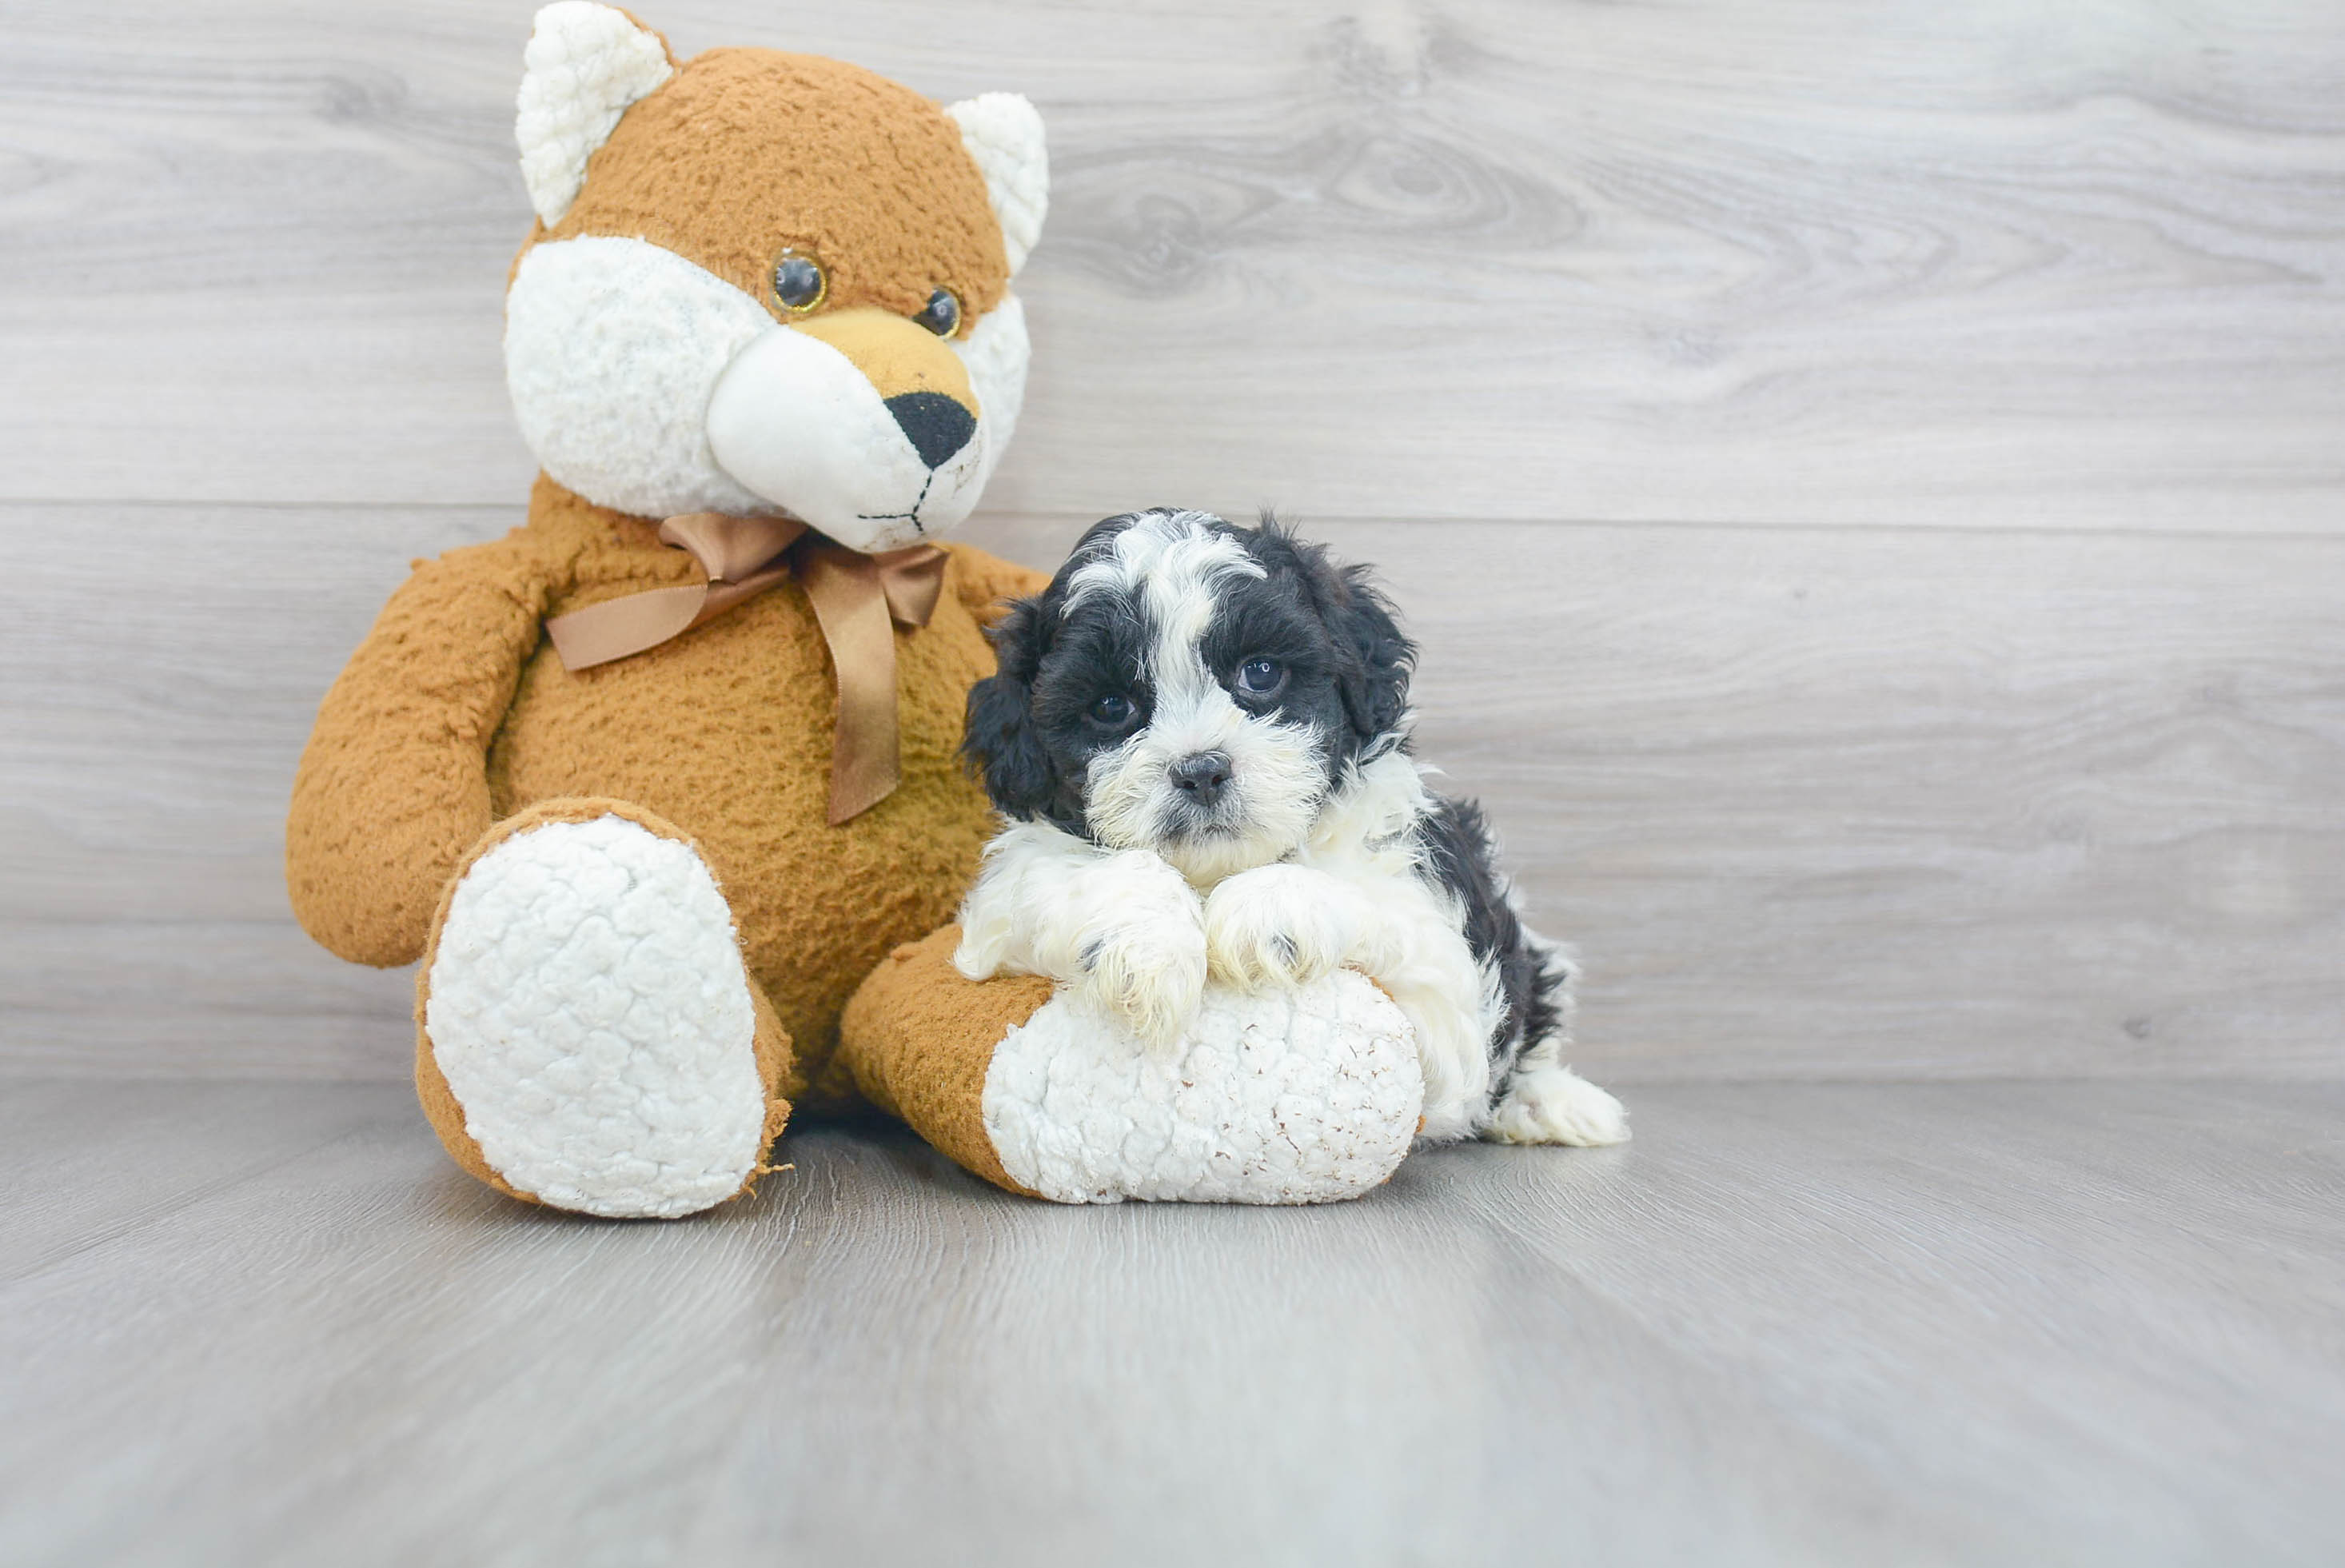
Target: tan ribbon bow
[[854, 597]]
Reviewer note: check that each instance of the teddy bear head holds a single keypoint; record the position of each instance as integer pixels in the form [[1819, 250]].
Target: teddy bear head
[[764, 284]]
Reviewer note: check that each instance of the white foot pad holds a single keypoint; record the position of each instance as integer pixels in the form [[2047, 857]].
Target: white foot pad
[[588, 1010], [1278, 1096]]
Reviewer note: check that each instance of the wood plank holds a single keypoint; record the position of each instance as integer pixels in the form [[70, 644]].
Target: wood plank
[[82, 1164], [1826, 1324], [1818, 262], [1814, 803]]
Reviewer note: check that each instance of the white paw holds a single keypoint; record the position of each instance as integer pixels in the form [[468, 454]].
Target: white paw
[[1278, 925], [587, 1006], [1145, 962], [1550, 1104]]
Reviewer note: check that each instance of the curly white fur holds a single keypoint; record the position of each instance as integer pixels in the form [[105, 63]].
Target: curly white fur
[[646, 384], [1305, 1096], [1004, 138], [589, 1009], [585, 66]]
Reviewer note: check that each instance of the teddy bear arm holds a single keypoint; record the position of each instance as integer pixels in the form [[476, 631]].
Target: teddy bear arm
[[986, 583], [392, 788]]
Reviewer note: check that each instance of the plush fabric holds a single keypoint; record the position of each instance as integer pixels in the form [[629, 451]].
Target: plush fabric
[[666, 331], [441, 1106], [919, 1041], [871, 178], [454, 714], [1004, 135], [584, 65], [1280, 1096], [587, 1032], [652, 367]]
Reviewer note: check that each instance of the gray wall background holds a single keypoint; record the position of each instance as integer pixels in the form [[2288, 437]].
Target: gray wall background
[[1869, 478]]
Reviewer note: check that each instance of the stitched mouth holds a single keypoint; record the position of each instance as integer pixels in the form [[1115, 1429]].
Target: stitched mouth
[[913, 516]]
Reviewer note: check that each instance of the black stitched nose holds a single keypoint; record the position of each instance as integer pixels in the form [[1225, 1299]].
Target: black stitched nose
[[1202, 777], [936, 425]]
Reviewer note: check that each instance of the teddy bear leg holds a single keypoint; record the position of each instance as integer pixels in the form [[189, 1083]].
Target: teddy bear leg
[[1305, 1096], [587, 1035]]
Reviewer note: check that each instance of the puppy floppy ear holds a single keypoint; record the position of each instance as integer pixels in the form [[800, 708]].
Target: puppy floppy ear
[[999, 742], [1376, 656], [1375, 693]]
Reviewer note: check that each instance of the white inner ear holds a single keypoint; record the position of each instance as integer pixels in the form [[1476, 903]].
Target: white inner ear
[[584, 65], [995, 353], [1004, 135]]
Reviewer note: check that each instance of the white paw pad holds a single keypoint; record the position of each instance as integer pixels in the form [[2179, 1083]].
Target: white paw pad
[[1308, 1095], [588, 1008]]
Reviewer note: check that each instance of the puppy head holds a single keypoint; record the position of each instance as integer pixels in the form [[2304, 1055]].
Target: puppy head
[[1190, 687]]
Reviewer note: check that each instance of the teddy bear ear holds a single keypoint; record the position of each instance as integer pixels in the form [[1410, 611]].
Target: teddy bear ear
[[1004, 135], [584, 65]]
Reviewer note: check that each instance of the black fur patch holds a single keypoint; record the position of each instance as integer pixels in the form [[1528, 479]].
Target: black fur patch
[[1458, 852], [1347, 659]]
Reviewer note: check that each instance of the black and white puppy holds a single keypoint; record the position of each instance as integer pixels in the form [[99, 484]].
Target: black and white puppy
[[1198, 734]]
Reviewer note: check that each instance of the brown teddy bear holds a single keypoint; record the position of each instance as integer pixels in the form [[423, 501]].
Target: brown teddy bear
[[655, 784], [651, 783]]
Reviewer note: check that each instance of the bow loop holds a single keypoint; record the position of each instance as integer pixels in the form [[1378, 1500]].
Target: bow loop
[[912, 580], [731, 549], [857, 601]]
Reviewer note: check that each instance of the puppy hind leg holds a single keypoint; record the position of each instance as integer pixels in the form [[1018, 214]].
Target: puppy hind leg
[[1545, 1101]]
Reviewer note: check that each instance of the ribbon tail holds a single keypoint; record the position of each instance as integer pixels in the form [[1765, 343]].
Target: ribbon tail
[[618, 628], [850, 605]]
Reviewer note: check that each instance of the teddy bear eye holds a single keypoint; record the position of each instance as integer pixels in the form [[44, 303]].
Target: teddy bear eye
[[1115, 710], [942, 314], [799, 282]]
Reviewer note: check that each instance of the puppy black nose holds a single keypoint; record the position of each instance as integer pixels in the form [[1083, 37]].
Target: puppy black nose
[[1202, 777], [936, 425]]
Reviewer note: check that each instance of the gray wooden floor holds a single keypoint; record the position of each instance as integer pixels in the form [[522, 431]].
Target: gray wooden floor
[[2049, 1323]]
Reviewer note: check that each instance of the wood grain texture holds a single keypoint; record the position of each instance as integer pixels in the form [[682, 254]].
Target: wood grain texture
[[1824, 261], [1819, 1325], [1813, 803]]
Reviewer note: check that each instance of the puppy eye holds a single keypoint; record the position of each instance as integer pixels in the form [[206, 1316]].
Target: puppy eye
[[1115, 710], [1261, 677], [942, 314], [800, 282]]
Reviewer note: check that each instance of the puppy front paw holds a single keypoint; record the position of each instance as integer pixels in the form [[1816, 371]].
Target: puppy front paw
[[1279, 925], [1143, 955], [1150, 972]]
